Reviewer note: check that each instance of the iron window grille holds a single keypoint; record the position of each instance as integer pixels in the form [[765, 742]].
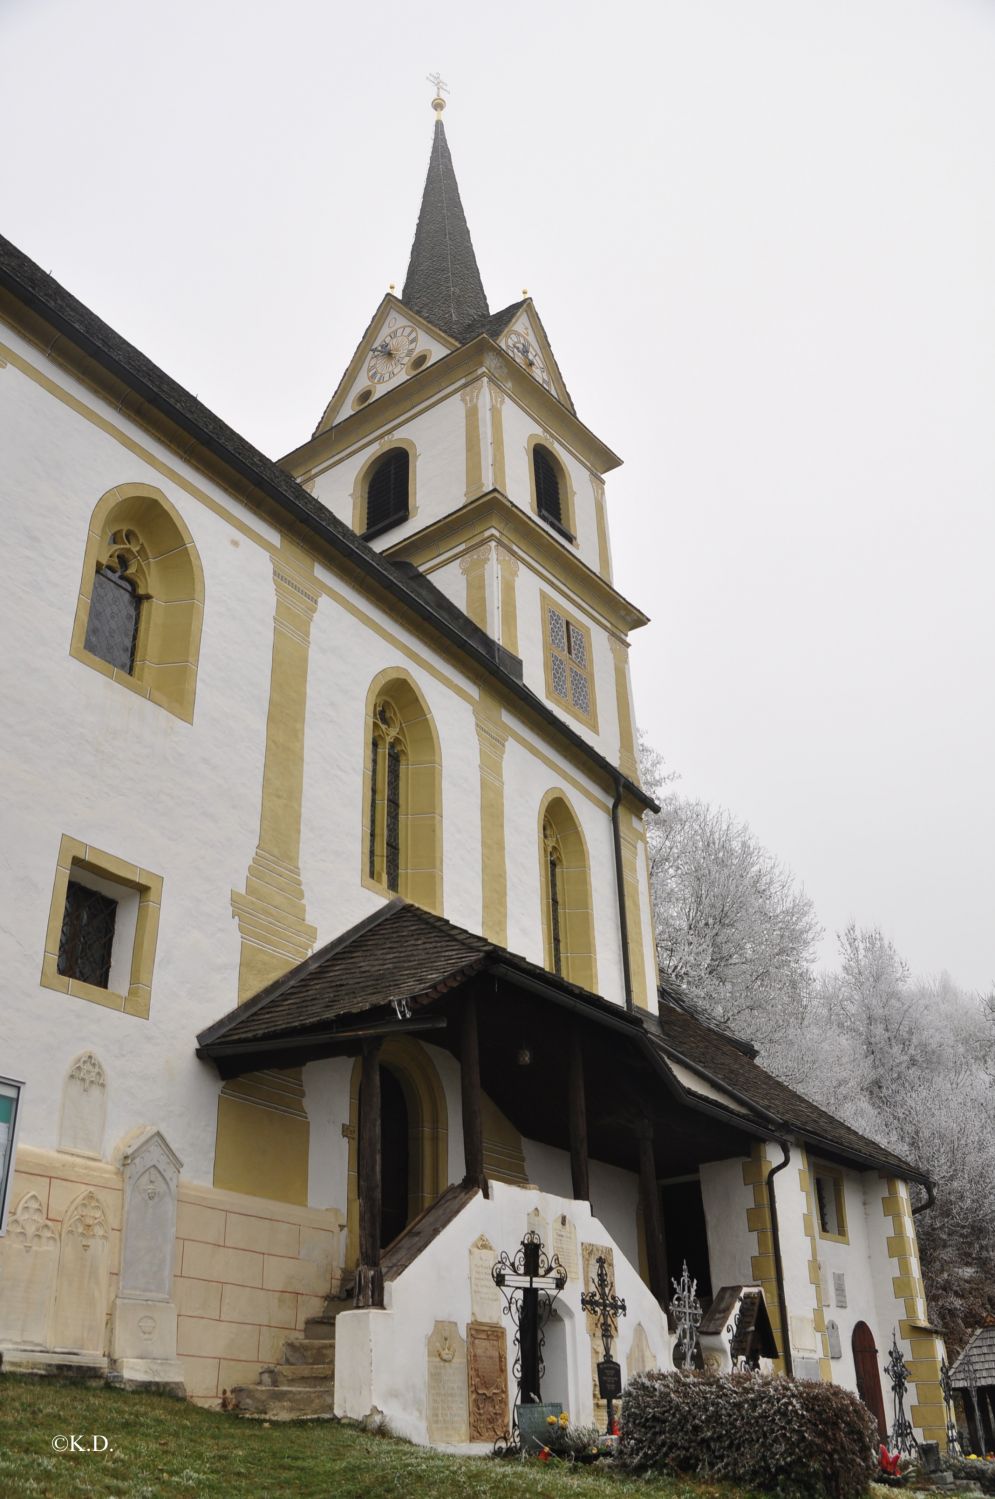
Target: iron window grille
[[387, 502], [112, 623], [87, 937], [570, 670]]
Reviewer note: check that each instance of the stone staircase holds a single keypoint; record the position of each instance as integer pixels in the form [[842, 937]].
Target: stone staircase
[[302, 1385]]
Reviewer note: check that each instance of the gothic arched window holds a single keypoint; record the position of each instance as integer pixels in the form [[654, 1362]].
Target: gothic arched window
[[388, 762], [387, 496], [119, 585], [553, 856], [565, 884]]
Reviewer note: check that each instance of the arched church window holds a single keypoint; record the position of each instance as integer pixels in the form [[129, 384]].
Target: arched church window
[[141, 600], [388, 758], [547, 481], [116, 603], [553, 855], [387, 492]]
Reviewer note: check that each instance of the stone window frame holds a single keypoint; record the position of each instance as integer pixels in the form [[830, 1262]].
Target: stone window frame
[[139, 521], [560, 826], [138, 999], [590, 718], [10, 1087], [832, 1174]]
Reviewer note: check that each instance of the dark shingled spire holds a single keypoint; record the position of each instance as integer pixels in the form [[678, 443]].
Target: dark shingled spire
[[443, 283]]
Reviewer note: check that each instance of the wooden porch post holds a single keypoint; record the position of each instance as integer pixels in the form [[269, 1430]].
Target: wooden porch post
[[473, 1128], [577, 1116], [649, 1197], [369, 1275]]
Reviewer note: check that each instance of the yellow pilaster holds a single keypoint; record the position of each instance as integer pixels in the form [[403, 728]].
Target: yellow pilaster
[[474, 446], [474, 567], [508, 596], [633, 907], [498, 470], [601, 525], [927, 1411], [492, 737], [763, 1265], [627, 762]]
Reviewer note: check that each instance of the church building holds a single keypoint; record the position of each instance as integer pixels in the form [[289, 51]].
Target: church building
[[329, 946]]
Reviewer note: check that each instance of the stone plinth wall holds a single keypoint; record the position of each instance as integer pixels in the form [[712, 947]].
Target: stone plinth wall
[[248, 1272]]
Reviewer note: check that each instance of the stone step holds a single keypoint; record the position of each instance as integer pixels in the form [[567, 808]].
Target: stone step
[[298, 1375], [309, 1351], [321, 1328], [285, 1403]]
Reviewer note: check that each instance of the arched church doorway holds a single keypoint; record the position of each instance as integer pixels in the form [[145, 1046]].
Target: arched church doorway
[[394, 1157], [865, 1363]]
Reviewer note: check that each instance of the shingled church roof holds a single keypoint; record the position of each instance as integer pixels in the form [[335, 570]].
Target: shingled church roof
[[443, 282]]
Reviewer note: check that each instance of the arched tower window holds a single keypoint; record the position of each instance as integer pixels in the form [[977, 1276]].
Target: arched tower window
[[565, 885], [402, 797], [547, 481], [387, 492], [141, 601]]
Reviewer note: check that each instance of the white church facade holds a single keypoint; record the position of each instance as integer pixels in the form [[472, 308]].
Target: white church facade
[[328, 940]]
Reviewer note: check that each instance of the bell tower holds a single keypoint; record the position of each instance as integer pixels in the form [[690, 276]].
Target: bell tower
[[451, 444]]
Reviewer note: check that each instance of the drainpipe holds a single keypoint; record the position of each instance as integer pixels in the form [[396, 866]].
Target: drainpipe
[[921, 1207], [623, 920], [778, 1262]]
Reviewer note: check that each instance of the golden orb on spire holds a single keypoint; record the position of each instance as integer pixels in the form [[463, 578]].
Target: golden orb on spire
[[438, 103]]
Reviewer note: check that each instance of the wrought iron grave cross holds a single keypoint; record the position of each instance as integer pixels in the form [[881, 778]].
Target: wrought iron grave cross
[[903, 1437], [687, 1314], [607, 1307], [530, 1283]]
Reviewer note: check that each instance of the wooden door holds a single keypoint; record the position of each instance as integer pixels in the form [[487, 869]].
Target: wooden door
[[865, 1361]]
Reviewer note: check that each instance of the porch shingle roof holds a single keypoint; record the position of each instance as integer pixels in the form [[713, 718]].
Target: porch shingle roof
[[405, 954]]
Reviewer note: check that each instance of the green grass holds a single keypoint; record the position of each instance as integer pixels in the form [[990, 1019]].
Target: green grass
[[167, 1449]]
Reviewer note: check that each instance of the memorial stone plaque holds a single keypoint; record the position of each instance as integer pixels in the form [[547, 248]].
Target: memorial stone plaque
[[833, 1334], [485, 1298], [536, 1224], [805, 1368], [448, 1411], [487, 1370], [640, 1360], [565, 1245], [609, 1379], [839, 1287]]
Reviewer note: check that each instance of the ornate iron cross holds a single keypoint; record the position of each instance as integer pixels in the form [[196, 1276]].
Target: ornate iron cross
[[687, 1314], [953, 1431], [607, 1307], [530, 1282], [903, 1437]]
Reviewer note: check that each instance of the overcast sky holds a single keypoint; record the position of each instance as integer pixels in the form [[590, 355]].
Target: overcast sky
[[761, 236]]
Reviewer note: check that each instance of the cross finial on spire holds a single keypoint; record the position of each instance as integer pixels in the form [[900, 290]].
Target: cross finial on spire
[[438, 103]]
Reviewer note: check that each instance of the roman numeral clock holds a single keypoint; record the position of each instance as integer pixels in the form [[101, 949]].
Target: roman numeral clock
[[389, 357], [528, 356]]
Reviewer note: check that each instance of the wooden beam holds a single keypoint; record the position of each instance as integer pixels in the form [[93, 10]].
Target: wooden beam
[[649, 1197], [369, 1275], [473, 1128], [577, 1118]]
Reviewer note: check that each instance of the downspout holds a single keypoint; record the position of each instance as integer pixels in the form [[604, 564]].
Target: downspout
[[778, 1262], [921, 1207], [623, 920]]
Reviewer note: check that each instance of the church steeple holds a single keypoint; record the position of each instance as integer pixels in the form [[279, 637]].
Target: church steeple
[[443, 282]]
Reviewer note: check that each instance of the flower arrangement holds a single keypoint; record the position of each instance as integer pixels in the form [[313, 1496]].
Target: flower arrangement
[[572, 1444]]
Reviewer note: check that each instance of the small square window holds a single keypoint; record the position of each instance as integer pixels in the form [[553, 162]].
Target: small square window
[[569, 679], [87, 939]]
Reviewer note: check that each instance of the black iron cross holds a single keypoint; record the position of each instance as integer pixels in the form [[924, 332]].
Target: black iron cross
[[531, 1283], [607, 1307]]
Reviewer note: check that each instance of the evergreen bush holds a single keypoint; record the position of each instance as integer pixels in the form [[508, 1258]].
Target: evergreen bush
[[794, 1438]]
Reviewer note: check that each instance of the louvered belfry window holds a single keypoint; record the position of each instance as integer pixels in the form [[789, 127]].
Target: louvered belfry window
[[547, 479], [87, 937], [112, 624], [387, 491]]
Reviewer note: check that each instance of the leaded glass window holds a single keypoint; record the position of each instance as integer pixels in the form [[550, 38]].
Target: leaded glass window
[[569, 662], [87, 937], [392, 830], [387, 758], [554, 913], [112, 623], [374, 778]]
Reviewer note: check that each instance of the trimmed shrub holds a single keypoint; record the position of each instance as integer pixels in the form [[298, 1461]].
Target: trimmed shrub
[[790, 1437]]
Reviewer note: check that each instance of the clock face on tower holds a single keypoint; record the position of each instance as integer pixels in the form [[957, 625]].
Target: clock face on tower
[[391, 354], [528, 356]]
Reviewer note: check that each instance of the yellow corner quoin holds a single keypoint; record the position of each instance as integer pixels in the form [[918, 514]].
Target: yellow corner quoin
[[76, 857], [928, 1411], [814, 1267], [139, 520], [763, 1265]]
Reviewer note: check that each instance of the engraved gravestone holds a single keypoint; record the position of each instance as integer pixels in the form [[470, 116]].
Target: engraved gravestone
[[536, 1224], [565, 1245], [448, 1408], [84, 1106], [640, 1359], [487, 1371], [29, 1259], [839, 1287], [485, 1298], [143, 1338], [833, 1334], [84, 1267]]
